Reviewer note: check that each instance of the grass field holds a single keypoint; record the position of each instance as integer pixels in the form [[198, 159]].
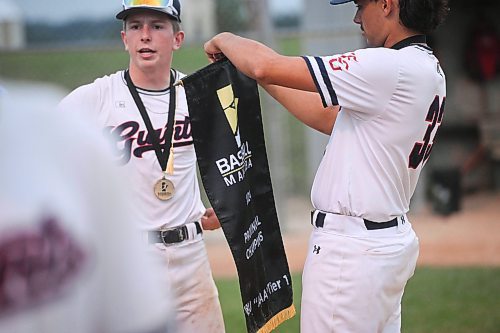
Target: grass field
[[437, 300], [72, 68]]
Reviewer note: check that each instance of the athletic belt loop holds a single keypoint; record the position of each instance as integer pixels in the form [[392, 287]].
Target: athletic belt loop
[[172, 236], [380, 225], [370, 225]]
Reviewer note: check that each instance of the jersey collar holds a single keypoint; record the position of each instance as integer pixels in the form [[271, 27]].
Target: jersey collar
[[417, 39]]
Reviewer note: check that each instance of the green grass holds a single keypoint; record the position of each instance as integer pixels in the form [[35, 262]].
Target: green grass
[[453, 300], [65, 68], [437, 300], [72, 68]]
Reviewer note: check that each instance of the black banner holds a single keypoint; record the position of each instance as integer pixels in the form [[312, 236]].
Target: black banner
[[228, 136]]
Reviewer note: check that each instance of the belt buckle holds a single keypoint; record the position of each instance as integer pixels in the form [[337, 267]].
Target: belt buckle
[[181, 234], [178, 233]]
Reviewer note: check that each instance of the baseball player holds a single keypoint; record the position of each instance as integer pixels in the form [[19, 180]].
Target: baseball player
[[381, 107], [149, 122], [70, 257]]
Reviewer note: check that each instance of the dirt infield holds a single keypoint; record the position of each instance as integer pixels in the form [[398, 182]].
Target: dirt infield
[[468, 238]]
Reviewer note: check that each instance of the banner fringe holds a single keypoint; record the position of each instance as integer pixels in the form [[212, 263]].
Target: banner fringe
[[278, 319]]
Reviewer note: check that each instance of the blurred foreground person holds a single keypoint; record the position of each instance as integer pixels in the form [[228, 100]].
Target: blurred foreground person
[[70, 260]]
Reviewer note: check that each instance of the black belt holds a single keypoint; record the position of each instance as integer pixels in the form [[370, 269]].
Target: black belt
[[370, 225], [171, 236]]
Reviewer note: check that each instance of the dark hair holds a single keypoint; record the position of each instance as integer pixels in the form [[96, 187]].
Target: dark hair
[[423, 16]]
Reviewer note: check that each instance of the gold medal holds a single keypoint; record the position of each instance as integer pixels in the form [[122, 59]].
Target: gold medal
[[164, 189]]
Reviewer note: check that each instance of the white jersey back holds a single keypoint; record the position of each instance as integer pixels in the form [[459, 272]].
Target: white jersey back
[[71, 259], [392, 103], [109, 103]]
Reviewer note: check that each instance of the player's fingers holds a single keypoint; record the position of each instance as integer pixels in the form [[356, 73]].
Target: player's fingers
[[210, 223], [209, 212], [209, 220], [219, 56], [210, 57], [213, 57]]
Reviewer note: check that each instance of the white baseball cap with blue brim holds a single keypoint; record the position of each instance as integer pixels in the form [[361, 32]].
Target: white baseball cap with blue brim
[[339, 2], [170, 7]]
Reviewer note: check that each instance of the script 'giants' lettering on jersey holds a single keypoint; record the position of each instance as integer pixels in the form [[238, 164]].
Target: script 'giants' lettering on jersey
[[422, 150], [37, 265], [342, 62], [129, 133]]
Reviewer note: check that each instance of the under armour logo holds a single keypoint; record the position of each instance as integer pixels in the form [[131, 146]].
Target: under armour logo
[[316, 249], [403, 220]]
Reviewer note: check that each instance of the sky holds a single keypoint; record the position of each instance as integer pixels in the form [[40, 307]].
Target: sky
[[64, 10]]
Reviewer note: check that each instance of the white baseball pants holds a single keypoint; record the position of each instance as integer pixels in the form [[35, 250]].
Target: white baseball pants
[[354, 278], [195, 294]]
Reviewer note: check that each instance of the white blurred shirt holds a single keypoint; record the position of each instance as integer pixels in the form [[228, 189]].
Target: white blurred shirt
[[71, 260]]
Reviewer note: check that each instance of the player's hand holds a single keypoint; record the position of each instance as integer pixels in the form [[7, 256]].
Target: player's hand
[[212, 50], [209, 220]]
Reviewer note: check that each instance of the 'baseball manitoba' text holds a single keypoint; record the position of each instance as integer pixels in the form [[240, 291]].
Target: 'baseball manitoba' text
[[234, 167]]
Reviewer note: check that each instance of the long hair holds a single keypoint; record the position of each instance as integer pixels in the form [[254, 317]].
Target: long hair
[[423, 15]]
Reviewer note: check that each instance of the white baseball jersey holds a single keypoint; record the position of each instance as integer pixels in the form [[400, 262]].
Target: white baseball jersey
[[70, 258], [392, 103], [109, 103]]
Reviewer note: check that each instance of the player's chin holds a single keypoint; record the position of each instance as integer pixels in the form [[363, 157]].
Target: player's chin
[[146, 63]]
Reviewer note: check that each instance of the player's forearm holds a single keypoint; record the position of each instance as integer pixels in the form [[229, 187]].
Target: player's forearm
[[249, 56], [260, 62], [305, 106]]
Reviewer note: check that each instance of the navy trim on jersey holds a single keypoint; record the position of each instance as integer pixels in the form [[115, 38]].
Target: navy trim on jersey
[[311, 70], [152, 92], [424, 48], [148, 92], [326, 80], [182, 143], [417, 39]]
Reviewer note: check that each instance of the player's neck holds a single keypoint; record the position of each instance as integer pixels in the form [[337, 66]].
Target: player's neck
[[398, 35], [150, 80]]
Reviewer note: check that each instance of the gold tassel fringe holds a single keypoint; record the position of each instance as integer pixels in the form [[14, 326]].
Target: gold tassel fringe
[[278, 319], [170, 162]]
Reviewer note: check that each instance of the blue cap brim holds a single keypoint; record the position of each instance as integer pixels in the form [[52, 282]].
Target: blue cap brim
[[338, 2]]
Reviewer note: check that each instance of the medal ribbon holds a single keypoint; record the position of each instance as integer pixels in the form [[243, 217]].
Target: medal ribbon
[[161, 154]]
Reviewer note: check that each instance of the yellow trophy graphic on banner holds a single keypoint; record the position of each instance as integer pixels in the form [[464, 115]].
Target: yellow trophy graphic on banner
[[229, 104]]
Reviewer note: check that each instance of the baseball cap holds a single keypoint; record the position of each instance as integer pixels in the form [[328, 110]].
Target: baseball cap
[[170, 7], [338, 2]]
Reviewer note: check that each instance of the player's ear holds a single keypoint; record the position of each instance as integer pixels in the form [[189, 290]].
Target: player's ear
[[388, 6], [178, 40], [124, 39]]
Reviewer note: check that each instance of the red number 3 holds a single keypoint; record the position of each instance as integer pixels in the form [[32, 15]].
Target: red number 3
[[422, 149]]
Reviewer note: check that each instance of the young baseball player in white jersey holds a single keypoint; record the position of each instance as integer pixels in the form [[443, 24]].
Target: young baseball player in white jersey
[[381, 107], [70, 257], [149, 121]]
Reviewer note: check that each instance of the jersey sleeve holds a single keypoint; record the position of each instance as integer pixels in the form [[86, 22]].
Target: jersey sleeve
[[84, 100], [362, 81]]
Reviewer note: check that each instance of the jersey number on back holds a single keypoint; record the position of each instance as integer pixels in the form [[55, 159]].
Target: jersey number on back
[[422, 149]]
